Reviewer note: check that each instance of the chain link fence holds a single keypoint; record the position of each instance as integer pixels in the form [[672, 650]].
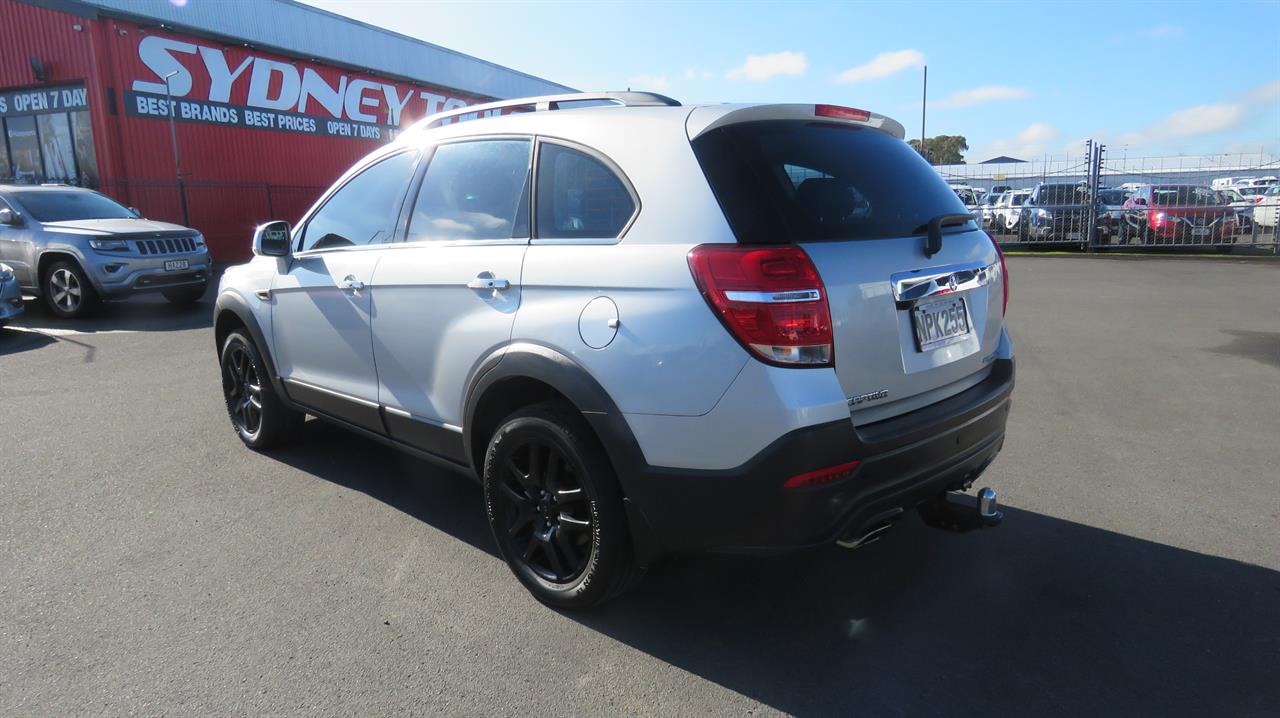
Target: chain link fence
[[1098, 201]]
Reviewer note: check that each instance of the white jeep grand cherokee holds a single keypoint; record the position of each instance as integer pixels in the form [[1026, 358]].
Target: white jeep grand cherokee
[[644, 327]]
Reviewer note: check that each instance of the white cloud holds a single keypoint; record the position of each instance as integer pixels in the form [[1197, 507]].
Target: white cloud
[[883, 65], [1265, 93], [690, 73], [1038, 132], [979, 95], [649, 82], [759, 68], [1165, 30], [1029, 143], [1189, 122]]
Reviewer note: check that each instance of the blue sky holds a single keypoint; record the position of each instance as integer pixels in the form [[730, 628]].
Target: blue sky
[[1027, 79]]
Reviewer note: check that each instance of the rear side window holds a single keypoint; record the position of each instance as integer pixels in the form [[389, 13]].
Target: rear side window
[[474, 190], [579, 196], [365, 209], [789, 181]]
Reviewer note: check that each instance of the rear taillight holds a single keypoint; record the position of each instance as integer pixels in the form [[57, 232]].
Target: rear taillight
[[1004, 273], [770, 298]]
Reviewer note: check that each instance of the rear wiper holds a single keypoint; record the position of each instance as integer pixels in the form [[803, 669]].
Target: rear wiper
[[933, 244]]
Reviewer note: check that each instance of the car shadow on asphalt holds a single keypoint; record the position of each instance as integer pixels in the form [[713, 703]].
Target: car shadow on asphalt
[[15, 341], [1040, 616], [142, 314]]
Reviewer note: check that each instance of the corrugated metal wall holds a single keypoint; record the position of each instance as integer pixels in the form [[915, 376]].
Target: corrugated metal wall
[[30, 32]]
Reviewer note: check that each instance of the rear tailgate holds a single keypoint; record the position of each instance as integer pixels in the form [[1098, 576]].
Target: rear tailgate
[[879, 290], [909, 328]]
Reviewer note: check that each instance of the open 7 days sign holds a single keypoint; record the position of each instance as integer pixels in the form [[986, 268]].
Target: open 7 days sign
[[43, 100], [257, 92]]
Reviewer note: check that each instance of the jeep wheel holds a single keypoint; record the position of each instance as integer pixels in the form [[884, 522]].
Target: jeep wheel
[[67, 292], [260, 419], [555, 508]]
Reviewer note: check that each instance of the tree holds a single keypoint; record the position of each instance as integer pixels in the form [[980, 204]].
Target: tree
[[943, 149]]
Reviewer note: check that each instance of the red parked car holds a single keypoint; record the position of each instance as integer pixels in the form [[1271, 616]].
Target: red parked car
[[1178, 214]]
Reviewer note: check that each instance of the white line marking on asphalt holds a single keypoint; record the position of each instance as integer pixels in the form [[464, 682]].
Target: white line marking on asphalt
[[53, 332]]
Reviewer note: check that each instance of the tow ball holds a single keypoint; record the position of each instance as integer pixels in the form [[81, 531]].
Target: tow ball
[[955, 512]]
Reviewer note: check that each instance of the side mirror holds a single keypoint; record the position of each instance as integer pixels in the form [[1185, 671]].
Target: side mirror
[[136, 212], [9, 218], [272, 239]]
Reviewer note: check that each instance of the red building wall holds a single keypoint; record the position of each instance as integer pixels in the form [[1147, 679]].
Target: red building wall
[[234, 175]]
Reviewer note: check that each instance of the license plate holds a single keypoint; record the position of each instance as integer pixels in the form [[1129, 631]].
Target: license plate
[[173, 265], [1073, 236], [1199, 231], [938, 324]]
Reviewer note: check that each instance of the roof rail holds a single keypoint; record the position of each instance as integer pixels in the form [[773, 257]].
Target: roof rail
[[552, 102]]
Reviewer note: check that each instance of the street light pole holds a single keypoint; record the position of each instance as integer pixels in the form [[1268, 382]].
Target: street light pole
[[173, 141], [924, 99]]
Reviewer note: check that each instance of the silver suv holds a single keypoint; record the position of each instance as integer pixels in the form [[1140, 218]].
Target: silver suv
[[74, 247], [643, 327]]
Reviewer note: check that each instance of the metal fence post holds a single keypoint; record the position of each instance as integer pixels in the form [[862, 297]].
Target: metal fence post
[[1091, 193], [182, 200]]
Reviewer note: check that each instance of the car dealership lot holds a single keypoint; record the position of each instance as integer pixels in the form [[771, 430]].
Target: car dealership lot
[[151, 564]]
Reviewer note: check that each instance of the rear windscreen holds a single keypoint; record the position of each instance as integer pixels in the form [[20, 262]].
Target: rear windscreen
[[793, 181]]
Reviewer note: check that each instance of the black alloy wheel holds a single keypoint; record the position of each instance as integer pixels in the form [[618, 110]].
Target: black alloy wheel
[[259, 416], [545, 512], [555, 508], [242, 388]]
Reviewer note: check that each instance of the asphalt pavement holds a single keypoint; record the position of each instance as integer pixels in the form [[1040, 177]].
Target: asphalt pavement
[[150, 564]]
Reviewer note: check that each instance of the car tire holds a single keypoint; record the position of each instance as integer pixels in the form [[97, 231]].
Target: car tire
[[260, 418], [67, 291], [555, 508], [184, 295]]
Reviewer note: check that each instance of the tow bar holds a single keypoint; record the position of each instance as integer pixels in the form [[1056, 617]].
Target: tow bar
[[954, 512]]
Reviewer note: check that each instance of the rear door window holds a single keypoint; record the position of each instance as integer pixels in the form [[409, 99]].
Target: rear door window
[[476, 189], [579, 196], [780, 181]]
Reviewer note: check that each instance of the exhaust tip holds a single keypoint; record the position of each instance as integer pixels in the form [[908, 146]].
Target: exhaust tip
[[870, 536]]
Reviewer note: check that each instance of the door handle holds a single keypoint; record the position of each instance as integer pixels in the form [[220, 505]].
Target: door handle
[[351, 284], [483, 282]]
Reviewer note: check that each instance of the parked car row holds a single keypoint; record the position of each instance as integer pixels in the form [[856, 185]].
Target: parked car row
[[1132, 213]]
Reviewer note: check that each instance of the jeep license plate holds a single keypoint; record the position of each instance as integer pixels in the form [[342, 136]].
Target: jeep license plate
[[1073, 236], [1199, 231], [938, 324], [174, 265]]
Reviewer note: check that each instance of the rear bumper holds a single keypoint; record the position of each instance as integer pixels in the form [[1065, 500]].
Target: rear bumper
[[904, 461]]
